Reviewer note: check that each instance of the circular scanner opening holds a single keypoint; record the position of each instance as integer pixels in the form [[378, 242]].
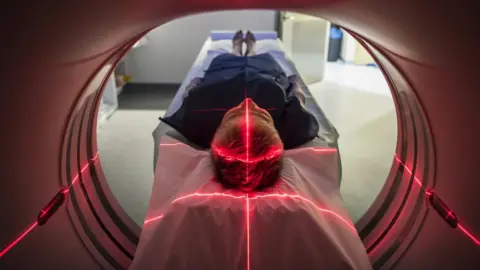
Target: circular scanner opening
[[379, 154]]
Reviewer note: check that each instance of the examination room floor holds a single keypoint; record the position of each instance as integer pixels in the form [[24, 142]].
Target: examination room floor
[[355, 98]]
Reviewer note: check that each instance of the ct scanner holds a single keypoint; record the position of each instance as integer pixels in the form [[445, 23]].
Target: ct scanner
[[55, 61]]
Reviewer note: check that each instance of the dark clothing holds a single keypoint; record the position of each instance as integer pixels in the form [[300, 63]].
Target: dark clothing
[[227, 82]]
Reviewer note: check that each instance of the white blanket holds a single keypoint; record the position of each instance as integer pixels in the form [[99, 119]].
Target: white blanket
[[193, 223]]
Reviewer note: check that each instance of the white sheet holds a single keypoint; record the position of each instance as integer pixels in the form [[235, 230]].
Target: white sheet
[[193, 223], [214, 48]]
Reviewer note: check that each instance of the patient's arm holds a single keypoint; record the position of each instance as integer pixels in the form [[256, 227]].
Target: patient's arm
[[297, 89], [193, 83], [300, 93]]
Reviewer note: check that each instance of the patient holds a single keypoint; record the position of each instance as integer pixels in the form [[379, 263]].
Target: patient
[[247, 111]]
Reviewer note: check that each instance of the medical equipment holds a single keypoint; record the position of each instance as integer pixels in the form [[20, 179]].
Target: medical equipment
[[52, 145]]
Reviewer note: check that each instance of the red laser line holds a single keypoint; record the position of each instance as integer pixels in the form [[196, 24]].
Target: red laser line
[[171, 144], [417, 180], [414, 176], [469, 234], [277, 195], [196, 194], [272, 153], [18, 239], [75, 179], [247, 202], [460, 226], [247, 138], [269, 155], [45, 211], [323, 150], [449, 214], [152, 219], [223, 110], [323, 210], [247, 218], [247, 211]]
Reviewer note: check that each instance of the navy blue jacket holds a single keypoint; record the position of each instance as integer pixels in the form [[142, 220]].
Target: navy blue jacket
[[226, 83]]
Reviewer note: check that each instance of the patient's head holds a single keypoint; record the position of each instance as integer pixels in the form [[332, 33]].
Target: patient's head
[[247, 150]]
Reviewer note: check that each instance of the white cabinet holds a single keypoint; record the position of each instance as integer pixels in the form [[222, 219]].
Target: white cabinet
[[353, 52], [109, 103], [306, 40]]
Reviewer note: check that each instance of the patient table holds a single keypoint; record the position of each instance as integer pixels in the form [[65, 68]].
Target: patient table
[[193, 222], [267, 42]]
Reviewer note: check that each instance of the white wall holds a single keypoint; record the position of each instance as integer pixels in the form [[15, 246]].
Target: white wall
[[173, 47]]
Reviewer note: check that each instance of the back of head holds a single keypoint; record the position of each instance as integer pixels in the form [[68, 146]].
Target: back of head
[[247, 157]]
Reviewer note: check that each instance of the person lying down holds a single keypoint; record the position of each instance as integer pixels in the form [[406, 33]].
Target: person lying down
[[245, 107], [271, 203]]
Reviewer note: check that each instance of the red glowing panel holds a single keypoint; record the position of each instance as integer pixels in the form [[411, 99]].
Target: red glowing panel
[[18, 239]]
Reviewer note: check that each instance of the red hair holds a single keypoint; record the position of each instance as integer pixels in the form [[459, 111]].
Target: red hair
[[249, 162]]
